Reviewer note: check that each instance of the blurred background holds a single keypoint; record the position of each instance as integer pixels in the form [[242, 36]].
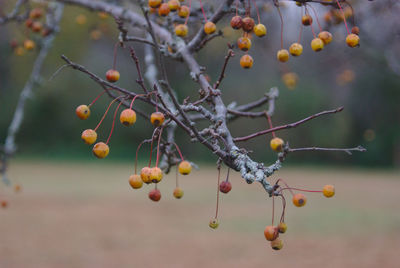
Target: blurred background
[[75, 211]]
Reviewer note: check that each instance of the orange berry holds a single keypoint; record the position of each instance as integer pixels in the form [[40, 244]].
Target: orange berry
[[156, 174], [82, 111], [4, 203], [145, 175], [325, 36], [185, 167], [36, 13], [290, 80], [155, 195], [135, 181], [81, 19], [355, 30], [317, 44], [163, 10], [244, 43], [183, 11], [260, 30], [299, 200], [103, 15], [210, 27], [271, 232], [296, 49], [154, 3], [282, 55], [174, 5], [352, 40], [37, 26], [328, 190], [178, 193], [248, 24], [236, 22], [225, 187], [306, 20], [246, 61], [277, 244], [157, 118], [127, 117], [17, 188], [282, 227], [29, 44], [181, 30], [214, 223], [29, 23], [101, 150], [112, 75], [89, 136], [45, 32], [19, 51], [276, 144]]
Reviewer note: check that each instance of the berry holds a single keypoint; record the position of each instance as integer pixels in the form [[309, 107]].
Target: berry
[[17, 188], [154, 3], [325, 36], [296, 49], [156, 174], [36, 13], [181, 30], [45, 32], [183, 11], [83, 111], [29, 23], [128, 117], [328, 190], [290, 80], [101, 150], [29, 44], [225, 187], [157, 118], [283, 55], [317, 44], [214, 223], [112, 75], [103, 15], [277, 244], [248, 24], [81, 19], [185, 168], [174, 5], [271, 232], [155, 195], [36, 26], [145, 175], [246, 61], [352, 40], [209, 27], [236, 22], [282, 227], [260, 30], [178, 193], [89, 136], [4, 204], [19, 51], [276, 144], [163, 10], [355, 30], [135, 181], [244, 43], [306, 20], [299, 200]]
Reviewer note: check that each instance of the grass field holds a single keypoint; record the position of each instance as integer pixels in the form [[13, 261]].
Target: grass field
[[85, 215]]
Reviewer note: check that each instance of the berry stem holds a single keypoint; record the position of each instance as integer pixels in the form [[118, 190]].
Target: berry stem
[[134, 98], [280, 16], [236, 6], [176, 177], [98, 96], [344, 18], [273, 209], [316, 17], [227, 174], [137, 153], [298, 189], [151, 146], [301, 26], [219, 175], [257, 11], [284, 182], [311, 25], [113, 123], [270, 124], [202, 10], [105, 113], [283, 208], [190, 9], [158, 146], [179, 151]]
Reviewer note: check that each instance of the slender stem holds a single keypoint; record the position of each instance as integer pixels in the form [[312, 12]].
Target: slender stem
[[106, 112], [227, 174], [113, 123], [176, 176], [202, 10], [257, 11], [273, 209], [316, 17], [137, 153], [179, 151], [158, 145], [270, 124], [190, 10], [151, 146], [281, 18], [219, 175], [344, 18], [98, 96]]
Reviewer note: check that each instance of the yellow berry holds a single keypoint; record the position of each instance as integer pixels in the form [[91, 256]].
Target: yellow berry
[[154, 3], [352, 40], [178, 193], [81, 19], [276, 144], [184, 167], [296, 49], [282, 227], [135, 181], [156, 174], [181, 30], [290, 80], [317, 44], [277, 244], [328, 190], [145, 175], [128, 117], [157, 118], [214, 223], [283, 55], [89, 136], [325, 36], [260, 30], [209, 27], [29, 44], [83, 111], [183, 11], [244, 43], [246, 61], [173, 5], [101, 150]]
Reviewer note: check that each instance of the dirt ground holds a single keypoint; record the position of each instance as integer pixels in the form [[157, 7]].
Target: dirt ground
[[86, 215]]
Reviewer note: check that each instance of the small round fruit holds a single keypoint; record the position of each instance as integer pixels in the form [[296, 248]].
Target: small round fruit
[[81, 19], [317, 44], [260, 30], [328, 190], [296, 49], [89, 136], [248, 24], [246, 61], [282, 227], [225, 187], [82, 111], [210, 27], [183, 11], [306, 20], [277, 244], [178, 193], [29, 23], [244, 43], [290, 80], [19, 51], [157, 118], [163, 10], [112, 75], [29, 44], [325, 36], [236, 22], [128, 117], [4, 204], [355, 30], [155, 195], [36, 13], [352, 40], [36, 26], [156, 174], [174, 5], [145, 175], [181, 30], [135, 181], [271, 232], [282, 55], [276, 144], [101, 150], [17, 188], [214, 223], [154, 3], [299, 200], [185, 167], [103, 15]]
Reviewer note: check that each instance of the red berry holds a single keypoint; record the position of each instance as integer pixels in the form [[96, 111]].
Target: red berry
[[225, 187], [155, 195]]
